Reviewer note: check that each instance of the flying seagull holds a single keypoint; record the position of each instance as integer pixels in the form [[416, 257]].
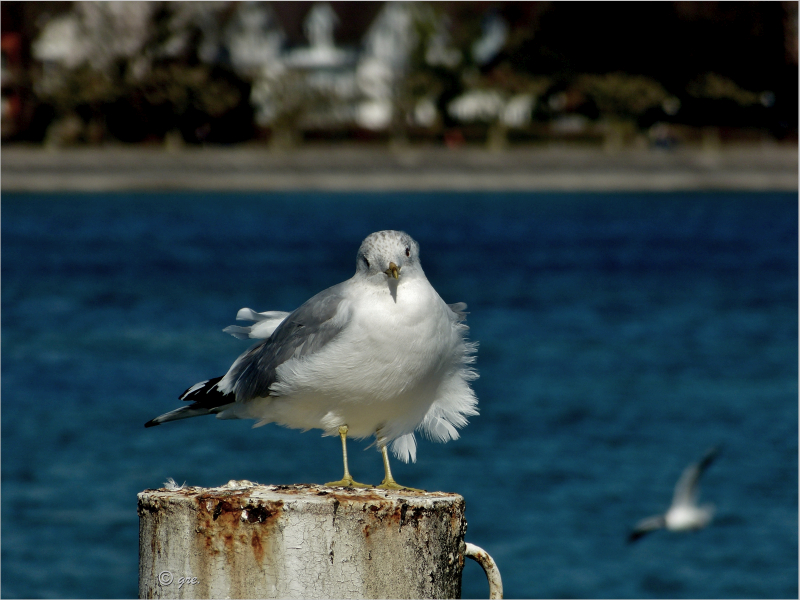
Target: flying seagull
[[684, 514], [379, 354]]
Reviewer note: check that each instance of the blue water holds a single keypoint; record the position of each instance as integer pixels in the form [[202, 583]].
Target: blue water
[[620, 337]]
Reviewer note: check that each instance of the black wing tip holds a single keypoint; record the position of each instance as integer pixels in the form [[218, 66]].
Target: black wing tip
[[205, 387], [709, 456], [206, 397], [635, 535]]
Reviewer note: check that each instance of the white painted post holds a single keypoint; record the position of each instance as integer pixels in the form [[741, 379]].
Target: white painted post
[[245, 540]]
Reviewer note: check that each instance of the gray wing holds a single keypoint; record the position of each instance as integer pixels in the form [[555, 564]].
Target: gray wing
[[304, 332], [686, 488], [645, 526]]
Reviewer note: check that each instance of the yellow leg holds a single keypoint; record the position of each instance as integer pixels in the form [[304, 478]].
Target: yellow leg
[[388, 482], [347, 480]]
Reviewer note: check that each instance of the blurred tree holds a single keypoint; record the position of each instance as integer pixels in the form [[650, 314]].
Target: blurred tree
[[621, 100], [673, 43], [138, 70]]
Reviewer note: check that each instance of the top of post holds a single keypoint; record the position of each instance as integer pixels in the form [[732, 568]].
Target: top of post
[[248, 491]]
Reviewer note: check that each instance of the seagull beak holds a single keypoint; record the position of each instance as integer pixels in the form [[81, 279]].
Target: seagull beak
[[393, 271]]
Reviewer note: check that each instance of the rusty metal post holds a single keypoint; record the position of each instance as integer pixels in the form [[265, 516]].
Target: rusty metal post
[[245, 540]]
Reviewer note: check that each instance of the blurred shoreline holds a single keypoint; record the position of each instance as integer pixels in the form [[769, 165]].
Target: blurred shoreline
[[353, 167]]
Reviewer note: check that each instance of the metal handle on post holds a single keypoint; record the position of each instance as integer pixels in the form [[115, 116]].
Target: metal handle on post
[[482, 557]]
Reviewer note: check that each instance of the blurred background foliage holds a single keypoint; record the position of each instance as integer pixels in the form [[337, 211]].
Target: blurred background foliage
[[496, 73]]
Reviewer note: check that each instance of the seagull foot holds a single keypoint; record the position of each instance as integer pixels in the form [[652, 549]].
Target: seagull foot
[[347, 482], [393, 485]]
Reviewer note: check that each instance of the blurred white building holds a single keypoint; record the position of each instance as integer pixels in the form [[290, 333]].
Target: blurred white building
[[314, 84]]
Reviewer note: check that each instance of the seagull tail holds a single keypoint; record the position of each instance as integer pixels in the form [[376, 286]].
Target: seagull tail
[[206, 399]]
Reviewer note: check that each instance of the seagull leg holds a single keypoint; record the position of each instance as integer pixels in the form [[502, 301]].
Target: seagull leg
[[388, 482], [347, 480]]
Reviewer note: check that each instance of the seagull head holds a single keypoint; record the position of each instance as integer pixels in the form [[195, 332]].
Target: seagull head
[[391, 254]]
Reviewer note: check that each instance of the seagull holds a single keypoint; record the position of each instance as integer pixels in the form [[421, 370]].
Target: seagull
[[684, 514], [379, 354]]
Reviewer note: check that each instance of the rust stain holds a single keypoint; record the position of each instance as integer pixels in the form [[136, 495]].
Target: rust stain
[[258, 549], [145, 506], [336, 505], [227, 539], [208, 540], [231, 522], [264, 513], [264, 518], [222, 506], [406, 515]]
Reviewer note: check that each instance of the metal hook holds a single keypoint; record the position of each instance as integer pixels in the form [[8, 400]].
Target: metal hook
[[482, 557]]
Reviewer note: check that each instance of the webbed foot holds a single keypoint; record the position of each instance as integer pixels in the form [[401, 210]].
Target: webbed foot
[[347, 482], [391, 484]]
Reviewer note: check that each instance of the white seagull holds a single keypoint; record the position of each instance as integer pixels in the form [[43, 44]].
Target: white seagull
[[379, 354], [684, 514]]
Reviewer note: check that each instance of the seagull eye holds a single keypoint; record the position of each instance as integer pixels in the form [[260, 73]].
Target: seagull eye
[[408, 251]]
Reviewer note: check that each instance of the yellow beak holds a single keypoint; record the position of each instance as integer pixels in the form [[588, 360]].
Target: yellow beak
[[393, 271]]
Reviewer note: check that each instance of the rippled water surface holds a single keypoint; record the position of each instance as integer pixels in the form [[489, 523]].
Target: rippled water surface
[[620, 337]]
